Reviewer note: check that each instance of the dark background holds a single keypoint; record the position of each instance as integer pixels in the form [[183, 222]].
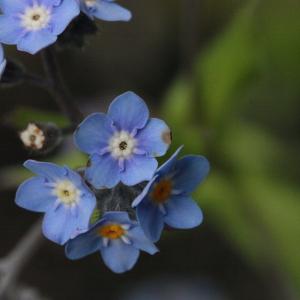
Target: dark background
[[225, 75]]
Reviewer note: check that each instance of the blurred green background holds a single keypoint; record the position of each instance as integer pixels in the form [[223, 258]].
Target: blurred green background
[[225, 75]]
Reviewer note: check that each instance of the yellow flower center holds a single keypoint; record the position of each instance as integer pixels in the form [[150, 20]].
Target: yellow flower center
[[161, 191], [111, 231]]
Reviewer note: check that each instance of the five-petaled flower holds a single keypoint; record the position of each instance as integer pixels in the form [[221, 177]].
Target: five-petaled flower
[[62, 195], [117, 238], [105, 10], [166, 198], [33, 25], [122, 144], [2, 61]]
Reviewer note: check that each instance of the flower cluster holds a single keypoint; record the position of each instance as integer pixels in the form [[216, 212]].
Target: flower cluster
[[121, 185], [34, 25]]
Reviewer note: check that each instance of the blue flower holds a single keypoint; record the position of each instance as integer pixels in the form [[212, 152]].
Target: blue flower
[[33, 25], [62, 195], [122, 144], [2, 61], [118, 239], [166, 198], [105, 10]]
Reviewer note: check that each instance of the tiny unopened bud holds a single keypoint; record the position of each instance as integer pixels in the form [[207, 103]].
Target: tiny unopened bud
[[41, 137]]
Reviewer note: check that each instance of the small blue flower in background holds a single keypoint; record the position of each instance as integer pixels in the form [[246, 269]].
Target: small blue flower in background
[[62, 195], [33, 25], [122, 144], [166, 198], [117, 238], [105, 10], [2, 61]]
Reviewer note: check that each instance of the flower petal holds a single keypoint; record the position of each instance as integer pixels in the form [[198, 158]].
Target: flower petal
[[150, 219], [103, 171], [35, 41], [140, 241], [33, 195], [119, 257], [144, 193], [137, 169], [169, 165], [183, 213], [60, 224], [63, 14], [13, 6], [109, 11], [190, 172], [93, 133], [10, 32], [155, 138], [83, 245], [117, 216], [129, 112], [48, 170]]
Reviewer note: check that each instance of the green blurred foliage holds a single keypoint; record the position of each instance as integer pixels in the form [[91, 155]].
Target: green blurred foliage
[[241, 109]]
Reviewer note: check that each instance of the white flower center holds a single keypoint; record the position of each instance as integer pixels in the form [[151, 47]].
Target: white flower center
[[33, 137], [122, 145], [66, 192], [35, 17], [90, 3]]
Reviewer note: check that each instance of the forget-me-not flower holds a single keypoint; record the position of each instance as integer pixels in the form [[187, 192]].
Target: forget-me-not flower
[[105, 10], [122, 144], [166, 198], [62, 195], [118, 239], [2, 61], [33, 25]]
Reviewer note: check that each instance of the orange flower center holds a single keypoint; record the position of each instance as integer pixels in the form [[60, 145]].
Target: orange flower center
[[111, 231], [161, 191]]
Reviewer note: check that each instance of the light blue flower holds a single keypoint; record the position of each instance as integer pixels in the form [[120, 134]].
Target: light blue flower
[[62, 195], [166, 198], [2, 61], [105, 10], [122, 144], [118, 239], [33, 25]]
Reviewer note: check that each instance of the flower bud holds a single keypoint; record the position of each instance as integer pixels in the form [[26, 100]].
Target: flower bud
[[41, 138]]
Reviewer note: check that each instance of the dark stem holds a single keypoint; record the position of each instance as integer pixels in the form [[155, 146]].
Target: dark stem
[[58, 89]]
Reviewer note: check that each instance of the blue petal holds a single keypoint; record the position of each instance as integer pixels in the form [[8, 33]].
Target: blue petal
[[169, 165], [13, 6], [155, 138], [93, 133], [129, 112], [144, 193], [84, 210], [117, 216], [103, 171], [109, 11], [183, 213], [140, 241], [83, 245], [137, 169], [63, 14], [48, 170], [150, 219], [10, 31], [119, 257], [62, 224], [190, 171], [33, 195], [2, 61], [34, 41]]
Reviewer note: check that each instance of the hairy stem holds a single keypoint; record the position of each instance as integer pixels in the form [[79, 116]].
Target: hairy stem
[[58, 88]]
